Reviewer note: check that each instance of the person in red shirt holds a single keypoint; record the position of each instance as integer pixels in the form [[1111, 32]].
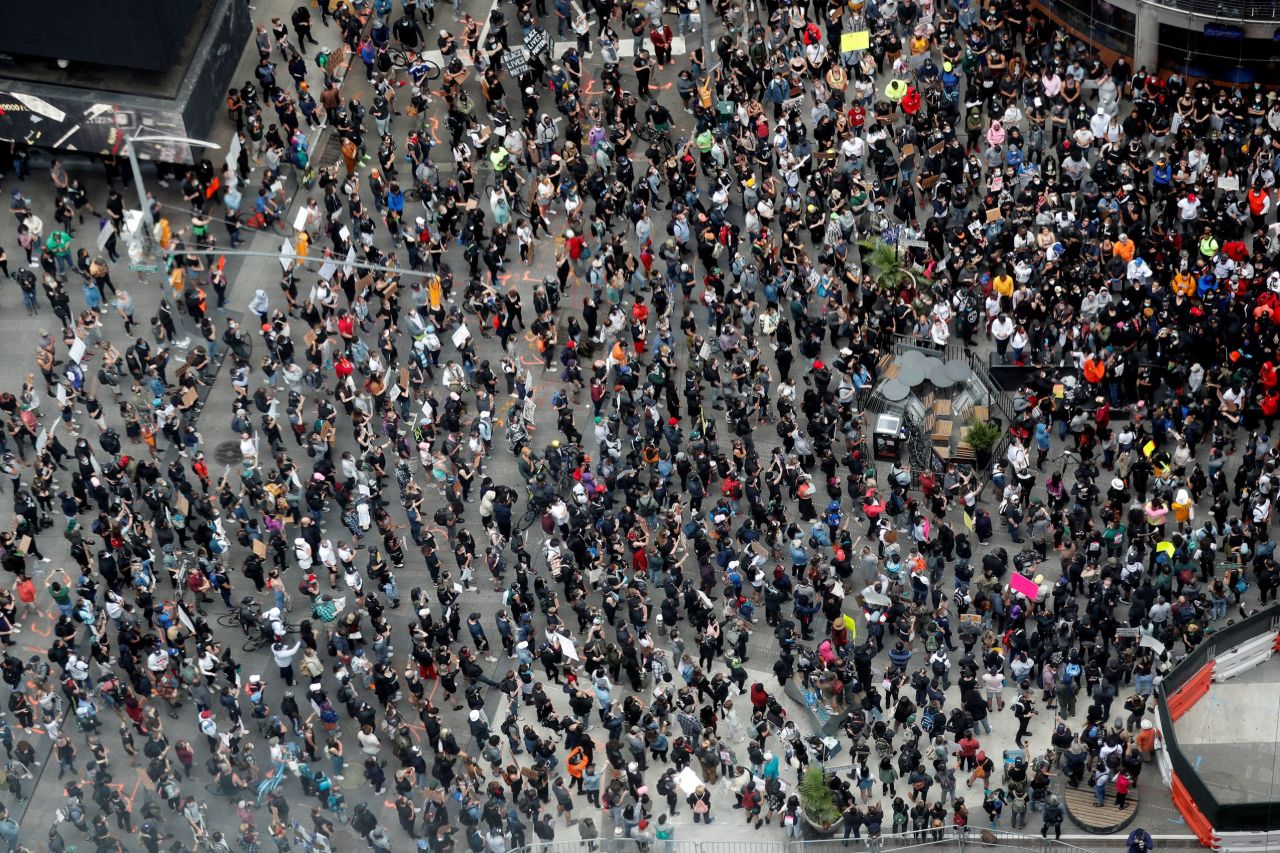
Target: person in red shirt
[[574, 244], [1269, 403], [201, 469], [639, 323], [346, 326], [343, 368], [661, 36]]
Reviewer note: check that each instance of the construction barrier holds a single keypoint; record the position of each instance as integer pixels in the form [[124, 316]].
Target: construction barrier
[[1191, 691], [1196, 821], [1244, 657]]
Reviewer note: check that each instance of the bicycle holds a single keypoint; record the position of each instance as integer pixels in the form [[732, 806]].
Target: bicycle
[[266, 637], [660, 138], [234, 795], [268, 785], [337, 803], [518, 203], [418, 65], [11, 777], [239, 617], [531, 514]]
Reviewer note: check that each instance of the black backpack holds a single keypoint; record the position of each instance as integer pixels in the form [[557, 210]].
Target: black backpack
[[110, 441]]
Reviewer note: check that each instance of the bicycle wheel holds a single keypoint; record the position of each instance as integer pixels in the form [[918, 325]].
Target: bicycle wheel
[[527, 519], [644, 132], [254, 643], [231, 796], [397, 57], [431, 71], [229, 620]]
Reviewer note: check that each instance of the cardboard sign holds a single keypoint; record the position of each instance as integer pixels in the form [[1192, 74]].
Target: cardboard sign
[[536, 41], [184, 506], [857, 40], [260, 549], [1024, 585], [688, 781], [516, 61], [567, 646]]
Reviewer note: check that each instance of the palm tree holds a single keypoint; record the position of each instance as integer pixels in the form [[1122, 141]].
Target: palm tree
[[888, 268]]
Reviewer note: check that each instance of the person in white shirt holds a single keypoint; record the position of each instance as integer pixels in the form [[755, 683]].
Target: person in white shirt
[[1002, 331], [284, 655]]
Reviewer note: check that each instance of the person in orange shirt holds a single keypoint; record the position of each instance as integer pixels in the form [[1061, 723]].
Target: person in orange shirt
[[1146, 741], [576, 762], [1095, 370], [1124, 248], [1184, 284], [618, 355]]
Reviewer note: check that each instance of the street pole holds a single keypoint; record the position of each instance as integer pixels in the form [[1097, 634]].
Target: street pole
[[148, 218], [144, 203], [705, 9]]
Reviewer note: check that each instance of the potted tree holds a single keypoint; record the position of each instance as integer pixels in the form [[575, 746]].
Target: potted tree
[[889, 268], [817, 804], [981, 436]]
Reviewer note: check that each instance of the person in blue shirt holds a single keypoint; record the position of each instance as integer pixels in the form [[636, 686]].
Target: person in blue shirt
[[1140, 841]]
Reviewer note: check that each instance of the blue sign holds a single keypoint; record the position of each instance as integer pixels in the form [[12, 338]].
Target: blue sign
[[1223, 31]]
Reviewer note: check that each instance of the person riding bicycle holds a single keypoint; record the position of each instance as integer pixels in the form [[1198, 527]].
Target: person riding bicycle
[[658, 118], [272, 625], [408, 33], [248, 613]]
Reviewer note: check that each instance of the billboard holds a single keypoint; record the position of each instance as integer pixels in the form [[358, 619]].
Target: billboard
[[76, 122]]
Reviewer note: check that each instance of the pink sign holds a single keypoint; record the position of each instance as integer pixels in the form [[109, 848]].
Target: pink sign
[[1024, 585]]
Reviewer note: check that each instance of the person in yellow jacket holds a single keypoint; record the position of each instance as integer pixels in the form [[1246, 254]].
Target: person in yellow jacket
[[1208, 243], [1002, 284]]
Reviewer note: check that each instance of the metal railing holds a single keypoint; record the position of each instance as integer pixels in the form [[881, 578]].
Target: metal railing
[[999, 400], [944, 838], [1228, 11]]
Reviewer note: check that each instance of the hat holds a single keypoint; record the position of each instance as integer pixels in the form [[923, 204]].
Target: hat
[[255, 679], [206, 715], [1146, 724], [1117, 483], [673, 421], [474, 715]]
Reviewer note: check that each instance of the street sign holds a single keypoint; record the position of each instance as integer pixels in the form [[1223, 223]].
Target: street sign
[[145, 267]]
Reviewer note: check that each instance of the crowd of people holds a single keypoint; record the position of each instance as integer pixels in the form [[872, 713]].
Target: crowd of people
[[710, 500]]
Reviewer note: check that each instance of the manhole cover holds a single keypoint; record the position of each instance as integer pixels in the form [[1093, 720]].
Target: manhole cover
[[228, 453]]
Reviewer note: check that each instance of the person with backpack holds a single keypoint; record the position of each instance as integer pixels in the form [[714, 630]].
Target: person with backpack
[[1053, 816]]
